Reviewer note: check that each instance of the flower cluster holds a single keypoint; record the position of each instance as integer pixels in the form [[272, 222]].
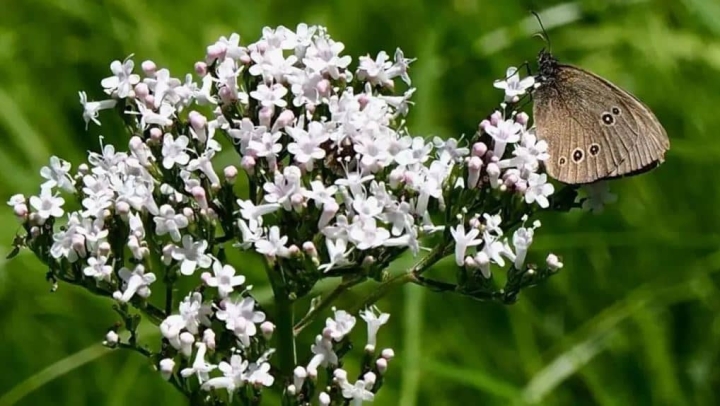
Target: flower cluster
[[336, 186]]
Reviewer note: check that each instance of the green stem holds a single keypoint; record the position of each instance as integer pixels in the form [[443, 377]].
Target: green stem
[[284, 321], [411, 275], [326, 302]]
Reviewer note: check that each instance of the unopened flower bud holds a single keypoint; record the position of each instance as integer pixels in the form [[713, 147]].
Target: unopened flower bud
[[265, 115], [368, 261], [285, 118], [142, 90], [198, 194], [226, 95], [189, 213], [209, 339], [293, 250], [35, 230], [201, 68], [323, 87], [248, 164], [474, 167], [493, 171], [111, 338], [21, 211], [149, 67], [150, 100], [381, 365], [167, 254], [104, 249], [370, 378], [230, 173], [299, 375], [484, 125], [387, 353], [215, 51], [496, 117], [324, 399], [156, 135], [205, 276], [479, 149], [327, 333], [522, 118], [553, 262], [78, 244], [291, 390], [309, 248], [340, 375], [186, 343], [167, 365], [267, 329], [83, 169], [122, 208]]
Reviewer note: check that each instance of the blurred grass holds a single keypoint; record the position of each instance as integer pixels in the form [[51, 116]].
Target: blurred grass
[[632, 319]]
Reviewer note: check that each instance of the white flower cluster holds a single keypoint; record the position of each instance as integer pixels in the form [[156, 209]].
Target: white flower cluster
[[337, 185]]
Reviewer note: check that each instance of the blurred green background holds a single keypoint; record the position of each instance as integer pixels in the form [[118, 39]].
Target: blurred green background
[[633, 317]]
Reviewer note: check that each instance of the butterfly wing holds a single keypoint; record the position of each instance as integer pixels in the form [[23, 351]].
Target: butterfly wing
[[594, 129]]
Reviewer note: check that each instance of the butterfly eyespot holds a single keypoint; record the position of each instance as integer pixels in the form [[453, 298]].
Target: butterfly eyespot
[[608, 119], [578, 155], [594, 149], [562, 161], [615, 111]]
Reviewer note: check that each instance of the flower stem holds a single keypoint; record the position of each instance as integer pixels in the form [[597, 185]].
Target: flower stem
[[284, 321], [326, 302], [411, 275]]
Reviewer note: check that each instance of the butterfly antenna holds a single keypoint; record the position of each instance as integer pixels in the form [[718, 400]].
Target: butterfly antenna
[[544, 34]]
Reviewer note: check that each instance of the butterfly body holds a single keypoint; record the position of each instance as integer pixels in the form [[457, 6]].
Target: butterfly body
[[594, 129]]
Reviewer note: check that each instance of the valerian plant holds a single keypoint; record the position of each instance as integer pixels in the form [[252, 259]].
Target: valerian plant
[[337, 188]]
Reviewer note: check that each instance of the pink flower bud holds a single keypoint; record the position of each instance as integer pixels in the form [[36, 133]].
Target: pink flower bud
[[327, 333], [149, 67], [267, 329], [156, 135], [21, 211], [363, 99], [293, 250], [248, 164], [209, 339], [522, 118], [496, 117], [553, 262], [122, 208], [245, 59], [201, 68], [285, 118], [370, 378], [205, 276], [167, 365], [142, 90], [149, 100], [479, 149], [226, 95], [484, 125], [388, 354], [230, 173], [265, 115], [323, 87], [474, 167], [200, 197], [197, 120], [104, 249], [215, 51], [78, 244], [381, 365], [310, 249], [189, 213]]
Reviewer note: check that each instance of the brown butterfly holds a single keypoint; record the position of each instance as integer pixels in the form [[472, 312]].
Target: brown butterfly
[[594, 129]]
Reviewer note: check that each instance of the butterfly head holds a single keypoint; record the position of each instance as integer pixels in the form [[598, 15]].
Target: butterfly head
[[548, 65]]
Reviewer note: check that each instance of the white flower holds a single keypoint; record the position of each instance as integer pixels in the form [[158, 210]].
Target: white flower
[[47, 204], [513, 85], [306, 145], [163, 87], [538, 190], [192, 255], [522, 238], [91, 110], [506, 132], [240, 317], [224, 279], [174, 151], [97, 268], [171, 328], [200, 367], [260, 375], [341, 325], [194, 313], [320, 193], [123, 79], [57, 174], [234, 375], [366, 234], [273, 245], [324, 57], [357, 393], [337, 252], [167, 222], [324, 354], [374, 319], [270, 96], [134, 282], [463, 241]]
